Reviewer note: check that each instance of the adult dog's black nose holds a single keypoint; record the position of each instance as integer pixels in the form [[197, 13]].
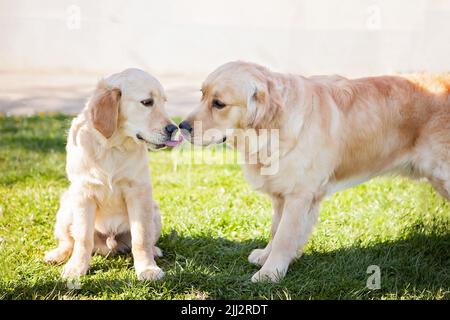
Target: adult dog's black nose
[[186, 126], [170, 128]]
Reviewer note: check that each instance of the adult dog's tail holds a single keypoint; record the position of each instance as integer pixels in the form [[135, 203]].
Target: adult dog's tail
[[436, 83]]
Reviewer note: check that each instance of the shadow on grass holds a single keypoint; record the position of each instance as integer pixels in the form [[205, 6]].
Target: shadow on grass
[[36, 144], [214, 268], [35, 133], [38, 133]]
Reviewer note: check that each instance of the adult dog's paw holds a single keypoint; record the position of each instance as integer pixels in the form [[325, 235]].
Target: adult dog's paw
[[74, 269], [265, 275], [151, 273], [258, 256]]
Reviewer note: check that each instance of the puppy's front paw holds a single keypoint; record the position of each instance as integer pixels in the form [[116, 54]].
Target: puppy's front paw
[[74, 270], [265, 275], [258, 256], [56, 256], [151, 273]]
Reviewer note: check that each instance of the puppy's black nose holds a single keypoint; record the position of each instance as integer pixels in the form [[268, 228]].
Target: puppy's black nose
[[170, 128], [186, 126]]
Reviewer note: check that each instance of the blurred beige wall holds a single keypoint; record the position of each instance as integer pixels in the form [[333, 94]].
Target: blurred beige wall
[[350, 37]]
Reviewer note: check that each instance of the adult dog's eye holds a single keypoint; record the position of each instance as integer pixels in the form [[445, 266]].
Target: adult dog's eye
[[147, 102], [218, 104]]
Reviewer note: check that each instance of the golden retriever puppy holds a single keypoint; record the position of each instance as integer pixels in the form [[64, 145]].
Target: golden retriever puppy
[[332, 133], [108, 206]]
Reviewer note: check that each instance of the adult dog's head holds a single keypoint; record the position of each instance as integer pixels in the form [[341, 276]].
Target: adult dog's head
[[131, 103], [237, 95]]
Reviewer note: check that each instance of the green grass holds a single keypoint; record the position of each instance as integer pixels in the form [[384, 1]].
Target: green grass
[[211, 221]]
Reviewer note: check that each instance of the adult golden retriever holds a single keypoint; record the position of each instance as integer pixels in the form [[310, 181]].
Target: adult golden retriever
[[108, 206], [333, 133]]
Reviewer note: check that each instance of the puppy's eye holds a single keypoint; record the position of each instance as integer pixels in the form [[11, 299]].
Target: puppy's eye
[[147, 102], [218, 104]]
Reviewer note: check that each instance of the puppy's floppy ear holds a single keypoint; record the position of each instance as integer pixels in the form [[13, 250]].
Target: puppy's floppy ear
[[263, 104], [104, 108]]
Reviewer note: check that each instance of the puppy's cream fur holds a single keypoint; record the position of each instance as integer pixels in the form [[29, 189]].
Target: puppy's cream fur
[[334, 133], [108, 206]]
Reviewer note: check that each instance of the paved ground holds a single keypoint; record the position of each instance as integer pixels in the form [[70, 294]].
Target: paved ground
[[31, 93]]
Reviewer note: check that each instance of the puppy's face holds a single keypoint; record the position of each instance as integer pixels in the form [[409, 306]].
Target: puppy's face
[[234, 96], [132, 103]]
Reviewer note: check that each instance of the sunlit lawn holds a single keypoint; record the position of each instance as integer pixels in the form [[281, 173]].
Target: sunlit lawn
[[211, 221]]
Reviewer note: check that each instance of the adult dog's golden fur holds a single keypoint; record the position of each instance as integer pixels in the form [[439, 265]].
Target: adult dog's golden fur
[[333, 133], [108, 206]]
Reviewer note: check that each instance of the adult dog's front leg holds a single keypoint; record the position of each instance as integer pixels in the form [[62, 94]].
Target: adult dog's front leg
[[83, 236], [299, 216], [259, 256], [140, 214]]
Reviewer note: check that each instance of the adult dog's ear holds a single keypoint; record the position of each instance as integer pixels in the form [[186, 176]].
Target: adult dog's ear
[[104, 108], [263, 105]]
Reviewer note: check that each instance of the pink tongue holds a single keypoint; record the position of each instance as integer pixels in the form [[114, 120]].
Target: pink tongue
[[174, 143]]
